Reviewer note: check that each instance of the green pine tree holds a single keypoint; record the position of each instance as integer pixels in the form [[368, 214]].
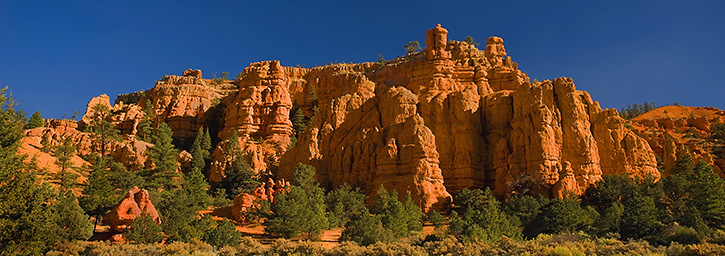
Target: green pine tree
[[27, 215], [72, 221], [301, 211], [164, 154], [481, 217], [224, 234], [36, 120], [143, 230], [104, 132], [145, 126], [63, 154], [98, 195]]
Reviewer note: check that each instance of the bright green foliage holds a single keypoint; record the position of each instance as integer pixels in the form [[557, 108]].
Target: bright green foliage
[[73, 224], [164, 156], [179, 208], [27, 224], [144, 230], [302, 210], [195, 186], [63, 154], [36, 120], [412, 47], [400, 218], [343, 203], [481, 217], [98, 196], [561, 215], [225, 234], [104, 132], [366, 229]]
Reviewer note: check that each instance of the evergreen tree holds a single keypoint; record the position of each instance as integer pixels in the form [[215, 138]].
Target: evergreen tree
[[639, 218], [470, 41], [238, 178], [45, 143], [225, 234], [200, 149], [481, 217], [144, 230], [366, 229], [63, 154], [163, 153], [524, 207], [36, 120], [145, 127], [343, 203], [27, 224], [72, 221], [412, 47], [98, 195], [561, 215], [708, 195], [302, 210], [104, 132]]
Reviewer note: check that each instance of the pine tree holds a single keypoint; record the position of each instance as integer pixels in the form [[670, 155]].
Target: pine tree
[[98, 196], [302, 210], [343, 204], [104, 132], [164, 156], [481, 217], [197, 152], [36, 120], [63, 154], [561, 215], [72, 221], [145, 127], [27, 224], [224, 234], [144, 230], [708, 195]]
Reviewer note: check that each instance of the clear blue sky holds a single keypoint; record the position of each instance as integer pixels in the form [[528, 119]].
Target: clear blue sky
[[57, 55]]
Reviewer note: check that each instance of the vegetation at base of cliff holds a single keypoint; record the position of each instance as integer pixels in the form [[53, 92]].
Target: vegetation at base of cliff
[[634, 110], [681, 214]]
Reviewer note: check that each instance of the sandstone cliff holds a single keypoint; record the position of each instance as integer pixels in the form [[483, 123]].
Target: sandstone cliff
[[672, 131], [428, 123]]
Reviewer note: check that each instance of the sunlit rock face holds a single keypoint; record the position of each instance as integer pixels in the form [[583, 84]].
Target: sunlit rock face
[[429, 123]]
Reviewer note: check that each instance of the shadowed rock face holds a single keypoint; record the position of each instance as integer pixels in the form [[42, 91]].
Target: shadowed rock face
[[429, 123]]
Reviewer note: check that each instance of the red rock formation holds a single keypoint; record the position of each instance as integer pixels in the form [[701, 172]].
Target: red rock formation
[[136, 203], [673, 131], [431, 123], [265, 191]]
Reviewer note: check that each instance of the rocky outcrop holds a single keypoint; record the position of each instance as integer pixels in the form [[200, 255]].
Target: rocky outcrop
[[133, 205], [673, 131], [429, 124], [266, 191]]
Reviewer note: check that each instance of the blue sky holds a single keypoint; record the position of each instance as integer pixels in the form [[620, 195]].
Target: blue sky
[[57, 55]]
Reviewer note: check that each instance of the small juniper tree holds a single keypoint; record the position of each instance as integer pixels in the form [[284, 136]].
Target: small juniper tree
[[412, 47]]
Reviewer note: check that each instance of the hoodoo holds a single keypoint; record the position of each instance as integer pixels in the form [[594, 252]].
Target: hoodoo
[[428, 123]]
